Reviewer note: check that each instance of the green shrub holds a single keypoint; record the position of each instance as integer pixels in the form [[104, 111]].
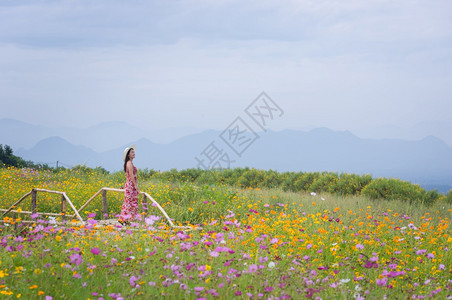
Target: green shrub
[[272, 179], [350, 184], [324, 182], [252, 178], [448, 198], [396, 189], [303, 183], [208, 177], [146, 174], [231, 176], [288, 181]]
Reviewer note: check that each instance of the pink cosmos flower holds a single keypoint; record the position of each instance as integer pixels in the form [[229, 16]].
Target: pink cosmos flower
[[95, 251], [253, 268], [132, 280], [214, 253], [76, 259], [382, 282]]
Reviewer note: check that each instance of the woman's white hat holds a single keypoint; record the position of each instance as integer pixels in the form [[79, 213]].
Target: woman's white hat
[[127, 150]]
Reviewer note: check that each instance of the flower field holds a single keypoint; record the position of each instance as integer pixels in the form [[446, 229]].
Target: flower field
[[245, 244]]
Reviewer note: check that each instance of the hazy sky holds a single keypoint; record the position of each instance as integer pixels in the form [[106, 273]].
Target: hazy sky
[[344, 64]]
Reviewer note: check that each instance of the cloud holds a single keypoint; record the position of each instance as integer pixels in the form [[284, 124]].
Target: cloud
[[198, 63], [106, 23]]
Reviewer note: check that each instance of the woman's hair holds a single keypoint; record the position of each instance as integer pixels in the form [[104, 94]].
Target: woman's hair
[[126, 160]]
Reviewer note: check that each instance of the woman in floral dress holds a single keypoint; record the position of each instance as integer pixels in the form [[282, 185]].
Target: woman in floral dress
[[129, 208]]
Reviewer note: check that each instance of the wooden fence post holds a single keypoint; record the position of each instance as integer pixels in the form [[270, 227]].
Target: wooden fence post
[[104, 205], [63, 208], [15, 221], [33, 200], [144, 204]]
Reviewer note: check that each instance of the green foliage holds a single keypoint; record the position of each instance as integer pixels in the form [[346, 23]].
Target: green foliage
[[324, 182], [146, 174], [350, 184], [289, 179], [304, 182], [448, 198], [251, 178], [395, 189], [87, 170], [260, 179], [7, 158]]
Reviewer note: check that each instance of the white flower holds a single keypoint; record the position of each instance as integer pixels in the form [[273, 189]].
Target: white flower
[[271, 265], [358, 288], [345, 280], [313, 194]]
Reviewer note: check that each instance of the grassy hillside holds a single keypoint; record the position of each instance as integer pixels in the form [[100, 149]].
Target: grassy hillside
[[255, 242]]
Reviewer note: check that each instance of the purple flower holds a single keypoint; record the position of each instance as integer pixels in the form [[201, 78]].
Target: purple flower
[[95, 251], [199, 289], [430, 256], [214, 253], [420, 252], [132, 280], [76, 259], [441, 267], [252, 268], [359, 246], [382, 282], [274, 241]]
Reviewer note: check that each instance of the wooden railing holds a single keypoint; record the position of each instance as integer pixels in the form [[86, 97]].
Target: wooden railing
[[65, 199], [146, 197]]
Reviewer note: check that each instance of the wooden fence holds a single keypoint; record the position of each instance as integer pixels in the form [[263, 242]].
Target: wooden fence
[[65, 200]]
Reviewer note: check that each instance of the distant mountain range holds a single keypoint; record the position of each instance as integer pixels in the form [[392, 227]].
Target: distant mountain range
[[100, 138], [427, 161]]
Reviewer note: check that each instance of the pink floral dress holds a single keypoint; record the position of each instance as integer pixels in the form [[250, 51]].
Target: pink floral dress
[[129, 208]]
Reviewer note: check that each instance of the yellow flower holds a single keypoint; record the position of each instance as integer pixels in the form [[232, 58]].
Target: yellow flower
[[6, 293]]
